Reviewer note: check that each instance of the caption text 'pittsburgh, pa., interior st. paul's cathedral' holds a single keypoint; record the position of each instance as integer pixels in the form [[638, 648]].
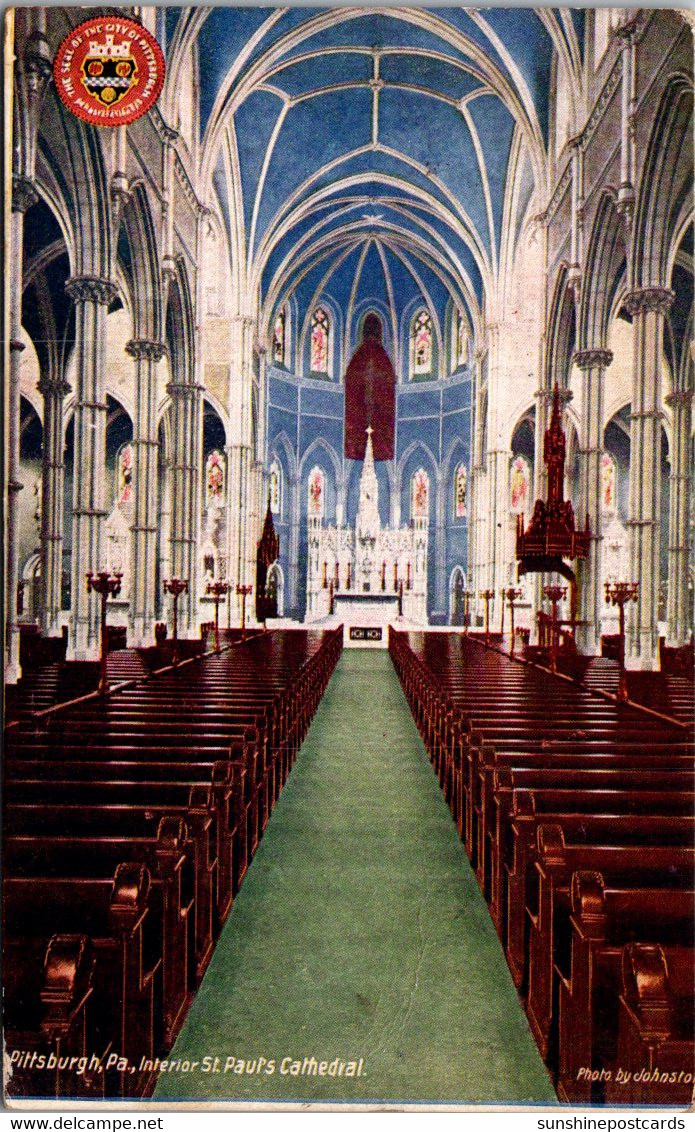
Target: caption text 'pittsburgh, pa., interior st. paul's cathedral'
[[375, 327]]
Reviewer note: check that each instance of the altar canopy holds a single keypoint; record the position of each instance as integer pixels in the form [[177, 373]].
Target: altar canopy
[[370, 396]]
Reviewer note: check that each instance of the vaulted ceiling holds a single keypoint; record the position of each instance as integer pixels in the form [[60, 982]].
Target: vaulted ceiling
[[365, 153]]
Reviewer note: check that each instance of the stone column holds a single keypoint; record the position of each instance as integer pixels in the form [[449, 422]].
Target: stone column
[[475, 522], [164, 533], [678, 611], [91, 297], [185, 495], [292, 599], [648, 306], [544, 399], [52, 490], [240, 455], [592, 364], [145, 471], [23, 196]]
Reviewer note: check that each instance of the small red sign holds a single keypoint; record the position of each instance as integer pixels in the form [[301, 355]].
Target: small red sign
[[109, 71]]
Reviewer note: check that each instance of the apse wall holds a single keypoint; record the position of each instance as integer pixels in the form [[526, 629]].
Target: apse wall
[[433, 432]]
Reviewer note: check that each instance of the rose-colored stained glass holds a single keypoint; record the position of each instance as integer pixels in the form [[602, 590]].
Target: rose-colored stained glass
[[608, 482], [214, 479], [460, 482], [316, 493], [320, 329], [419, 494], [520, 485], [422, 343]]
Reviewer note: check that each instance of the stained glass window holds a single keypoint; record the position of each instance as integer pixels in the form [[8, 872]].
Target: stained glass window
[[275, 488], [520, 485], [459, 341], [608, 482], [419, 495], [214, 479], [125, 475], [320, 332], [421, 343], [460, 482], [279, 337], [316, 493]]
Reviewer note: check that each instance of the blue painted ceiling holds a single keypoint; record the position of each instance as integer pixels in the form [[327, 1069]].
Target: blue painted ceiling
[[374, 141]]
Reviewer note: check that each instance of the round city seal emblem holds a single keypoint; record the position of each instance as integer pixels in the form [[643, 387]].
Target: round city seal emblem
[[109, 71]]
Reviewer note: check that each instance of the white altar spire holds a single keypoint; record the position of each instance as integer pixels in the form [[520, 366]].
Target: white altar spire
[[368, 523]]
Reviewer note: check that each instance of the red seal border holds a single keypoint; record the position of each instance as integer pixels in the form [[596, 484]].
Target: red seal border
[[137, 112]]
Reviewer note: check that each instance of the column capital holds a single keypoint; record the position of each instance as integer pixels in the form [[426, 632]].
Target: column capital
[[679, 397], [183, 389], [644, 299], [593, 359], [53, 388], [24, 193], [91, 289], [145, 348], [626, 30]]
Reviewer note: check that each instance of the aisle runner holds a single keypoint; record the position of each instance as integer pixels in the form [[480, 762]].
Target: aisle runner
[[360, 939]]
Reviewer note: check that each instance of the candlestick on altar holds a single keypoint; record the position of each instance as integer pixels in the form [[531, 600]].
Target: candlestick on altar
[[217, 590], [395, 576], [325, 575], [407, 576], [511, 595], [330, 596], [487, 596], [466, 611], [554, 594], [337, 576], [349, 576], [106, 585], [400, 598], [383, 575], [175, 587], [244, 591], [619, 593]]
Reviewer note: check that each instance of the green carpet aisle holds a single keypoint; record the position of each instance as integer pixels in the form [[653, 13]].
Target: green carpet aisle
[[360, 933]]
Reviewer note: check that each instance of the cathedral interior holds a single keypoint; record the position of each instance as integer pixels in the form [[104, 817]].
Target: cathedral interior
[[321, 329]]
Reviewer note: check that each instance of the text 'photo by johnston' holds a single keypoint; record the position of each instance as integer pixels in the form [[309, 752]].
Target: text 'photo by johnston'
[[349, 558]]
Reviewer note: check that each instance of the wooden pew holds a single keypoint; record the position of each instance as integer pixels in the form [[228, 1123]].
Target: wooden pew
[[127, 946], [169, 857], [634, 866], [46, 1025], [655, 1063], [581, 829], [602, 922]]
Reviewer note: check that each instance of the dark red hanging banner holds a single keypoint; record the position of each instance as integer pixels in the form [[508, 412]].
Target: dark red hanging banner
[[370, 396]]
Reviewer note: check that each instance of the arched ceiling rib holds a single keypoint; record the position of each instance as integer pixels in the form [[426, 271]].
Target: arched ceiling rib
[[373, 142]]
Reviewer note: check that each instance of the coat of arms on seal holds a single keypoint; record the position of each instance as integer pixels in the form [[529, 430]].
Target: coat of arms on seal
[[109, 71]]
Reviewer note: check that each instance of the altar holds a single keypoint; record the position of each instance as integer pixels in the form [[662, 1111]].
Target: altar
[[371, 576], [365, 618]]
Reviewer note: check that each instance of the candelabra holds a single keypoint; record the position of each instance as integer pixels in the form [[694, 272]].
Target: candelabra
[[217, 591], [619, 593], [512, 595], [244, 591], [487, 596], [106, 585], [175, 587], [554, 594]]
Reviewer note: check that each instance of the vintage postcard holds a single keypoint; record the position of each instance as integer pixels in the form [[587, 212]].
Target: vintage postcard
[[349, 556]]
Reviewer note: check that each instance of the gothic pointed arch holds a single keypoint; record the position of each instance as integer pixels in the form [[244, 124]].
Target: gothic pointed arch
[[665, 189]]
